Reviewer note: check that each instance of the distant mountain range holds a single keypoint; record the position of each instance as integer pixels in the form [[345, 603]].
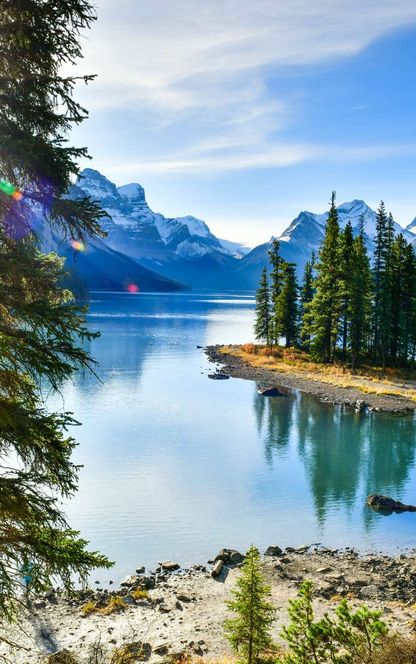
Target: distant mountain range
[[154, 252]]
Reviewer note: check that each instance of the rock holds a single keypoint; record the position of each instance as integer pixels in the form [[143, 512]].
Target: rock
[[161, 648], [140, 570], [324, 570], [49, 594], [178, 605], [230, 556], [184, 598], [271, 392], [216, 571], [129, 581], [369, 592], [218, 376], [38, 604], [169, 566], [273, 551], [360, 406], [387, 505], [129, 599]]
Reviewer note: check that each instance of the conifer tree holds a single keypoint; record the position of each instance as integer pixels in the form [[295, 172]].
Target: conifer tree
[[263, 315], [41, 327], [346, 261], [382, 286], [307, 292], [249, 631], [326, 304], [287, 305], [359, 306], [276, 280]]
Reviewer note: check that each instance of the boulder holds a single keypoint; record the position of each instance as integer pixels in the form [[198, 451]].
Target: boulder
[[218, 376], [273, 551], [130, 581], [169, 566], [230, 557], [387, 505]]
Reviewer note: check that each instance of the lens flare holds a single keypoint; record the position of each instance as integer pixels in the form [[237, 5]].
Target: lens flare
[[78, 245], [10, 190], [133, 288]]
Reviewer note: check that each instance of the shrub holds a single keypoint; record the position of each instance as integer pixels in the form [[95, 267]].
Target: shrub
[[349, 638]]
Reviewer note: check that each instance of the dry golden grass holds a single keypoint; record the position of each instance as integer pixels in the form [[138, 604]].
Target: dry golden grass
[[369, 380], [140, 593], [396, 650], [115, 603]]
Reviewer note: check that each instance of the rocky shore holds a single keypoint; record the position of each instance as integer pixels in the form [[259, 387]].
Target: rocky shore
[[231, 365], [171, 611]]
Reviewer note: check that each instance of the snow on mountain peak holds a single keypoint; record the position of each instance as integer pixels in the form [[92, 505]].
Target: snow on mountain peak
[[97, 186], [133, 192], [195, 226]]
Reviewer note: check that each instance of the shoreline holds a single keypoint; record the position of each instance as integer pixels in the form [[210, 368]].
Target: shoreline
[[236, 367], [185, 609]]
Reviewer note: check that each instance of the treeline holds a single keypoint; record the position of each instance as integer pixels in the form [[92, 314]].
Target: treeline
[[348, 308]]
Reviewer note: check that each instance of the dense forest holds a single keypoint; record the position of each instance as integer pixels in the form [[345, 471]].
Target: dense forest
[[348, 308]]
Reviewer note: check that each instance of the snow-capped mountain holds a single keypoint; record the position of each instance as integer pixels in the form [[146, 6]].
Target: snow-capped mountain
[[181, 248], [304, 235]]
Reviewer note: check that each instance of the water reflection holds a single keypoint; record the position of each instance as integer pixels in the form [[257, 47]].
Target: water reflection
[[345, 455]]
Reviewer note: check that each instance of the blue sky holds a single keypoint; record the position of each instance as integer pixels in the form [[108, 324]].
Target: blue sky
[[243, 113]]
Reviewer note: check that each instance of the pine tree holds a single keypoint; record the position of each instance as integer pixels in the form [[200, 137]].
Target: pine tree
[[346, 261], [41, 328], [287, 305], [359, 305], [307, 292], [407, 352], [326, 304], [249, 631], [263, 314], [276, 281], [382, 286]]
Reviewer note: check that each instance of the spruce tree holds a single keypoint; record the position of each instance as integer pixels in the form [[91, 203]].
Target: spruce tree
[[287, 306], [276, 281], [325, 307], [359, 305], [346, 261], [42, 329], [382, 286], [263, 314], [249, 631], [307, 292]]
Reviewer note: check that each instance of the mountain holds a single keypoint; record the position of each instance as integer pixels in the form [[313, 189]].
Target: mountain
[[181, 248], [412, 226], [236, 249], [98, 266], [305, 234]]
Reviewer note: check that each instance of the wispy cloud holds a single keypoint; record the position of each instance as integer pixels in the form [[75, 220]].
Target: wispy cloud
[[207, 66]]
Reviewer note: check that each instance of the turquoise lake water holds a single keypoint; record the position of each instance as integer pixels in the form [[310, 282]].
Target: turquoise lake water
[[177, 466]]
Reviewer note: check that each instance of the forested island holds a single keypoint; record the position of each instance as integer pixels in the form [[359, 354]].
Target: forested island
[[348, 332]]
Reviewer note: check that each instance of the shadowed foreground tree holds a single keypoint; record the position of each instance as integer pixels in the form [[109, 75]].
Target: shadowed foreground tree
[[249, 631], [41, 327]]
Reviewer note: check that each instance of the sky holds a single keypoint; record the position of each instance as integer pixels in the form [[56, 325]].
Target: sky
[[245, 113]]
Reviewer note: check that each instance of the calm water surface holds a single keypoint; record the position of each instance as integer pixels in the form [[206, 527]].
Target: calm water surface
[[177, 466]]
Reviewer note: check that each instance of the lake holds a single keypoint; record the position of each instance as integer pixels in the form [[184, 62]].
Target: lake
[[177, 466]]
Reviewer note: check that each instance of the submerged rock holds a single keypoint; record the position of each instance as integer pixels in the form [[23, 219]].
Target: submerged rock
[[218, 376]]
